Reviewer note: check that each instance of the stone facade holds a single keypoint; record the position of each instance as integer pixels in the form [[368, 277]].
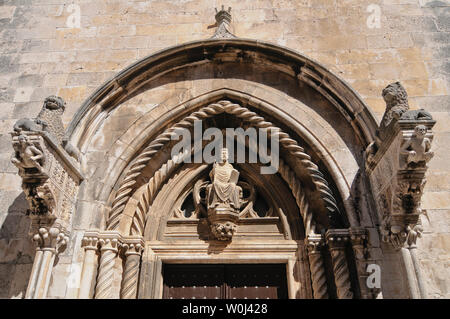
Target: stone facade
[[70, 48]]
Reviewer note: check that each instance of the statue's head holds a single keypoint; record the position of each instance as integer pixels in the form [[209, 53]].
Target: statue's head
[[224, 155], [54, 103], [420, 130], [23, 140], [394, 94]]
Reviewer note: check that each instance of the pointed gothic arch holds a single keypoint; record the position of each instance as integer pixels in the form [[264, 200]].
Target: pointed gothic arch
[[323, 127]]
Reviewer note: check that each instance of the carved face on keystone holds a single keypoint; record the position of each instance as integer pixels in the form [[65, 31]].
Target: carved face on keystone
[[54, 103], [420, 130]]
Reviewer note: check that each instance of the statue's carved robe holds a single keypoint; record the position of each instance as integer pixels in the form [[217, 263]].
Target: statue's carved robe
[[223, 189]]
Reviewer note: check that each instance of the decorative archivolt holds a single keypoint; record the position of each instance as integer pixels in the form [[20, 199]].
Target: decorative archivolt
[[126, 187]]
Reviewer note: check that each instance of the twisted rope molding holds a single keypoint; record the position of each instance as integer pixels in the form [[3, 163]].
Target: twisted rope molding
[[126, 186], [300, 197], [150, 191]]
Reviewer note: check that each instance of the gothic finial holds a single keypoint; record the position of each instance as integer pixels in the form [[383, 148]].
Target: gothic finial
[[223, 20]]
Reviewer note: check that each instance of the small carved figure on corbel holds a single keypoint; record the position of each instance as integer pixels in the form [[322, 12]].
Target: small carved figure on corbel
[[413, 233], [27, 155], [417, 148], [30, 125], [394, 235]]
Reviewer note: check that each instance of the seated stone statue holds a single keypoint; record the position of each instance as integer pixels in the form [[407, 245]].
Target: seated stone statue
[[223, 191], [418, 147]]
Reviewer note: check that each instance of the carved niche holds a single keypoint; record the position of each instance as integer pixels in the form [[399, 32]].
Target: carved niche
[[50, 176], [396, 164], [221, 203]]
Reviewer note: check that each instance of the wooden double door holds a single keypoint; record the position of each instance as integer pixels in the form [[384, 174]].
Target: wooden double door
[[228, 281]]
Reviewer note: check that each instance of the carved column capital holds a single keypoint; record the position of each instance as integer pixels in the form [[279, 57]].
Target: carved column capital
[[51, 238], [90, 241], [133, 246], [314, 243], [110, 240], [337, 238], [358, 236]]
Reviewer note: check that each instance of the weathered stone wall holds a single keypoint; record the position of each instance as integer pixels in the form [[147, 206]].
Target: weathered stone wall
[[43, 54]]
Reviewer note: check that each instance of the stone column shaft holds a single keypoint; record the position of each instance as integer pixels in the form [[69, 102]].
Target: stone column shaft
[[108, 254], [89, 264], [317, 267], [336, 240], [34, 274], [133, 250], [49, 240]]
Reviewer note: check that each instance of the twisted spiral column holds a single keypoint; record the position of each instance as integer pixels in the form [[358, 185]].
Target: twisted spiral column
[[336, 240], [315, 244], [108, 254], [127, 185], [132, 250]]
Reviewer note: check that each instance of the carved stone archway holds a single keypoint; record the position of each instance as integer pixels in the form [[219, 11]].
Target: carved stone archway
[[323, 171]]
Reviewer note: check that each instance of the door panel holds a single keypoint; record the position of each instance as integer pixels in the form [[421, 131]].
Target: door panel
[[193, 281], [256, 282], [225, 281]]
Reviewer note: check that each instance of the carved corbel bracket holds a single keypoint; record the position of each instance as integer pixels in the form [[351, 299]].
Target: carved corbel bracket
[[396, 165], [50, 178]]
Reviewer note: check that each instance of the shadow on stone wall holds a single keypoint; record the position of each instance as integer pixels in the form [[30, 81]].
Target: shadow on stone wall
[[16, 250]]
